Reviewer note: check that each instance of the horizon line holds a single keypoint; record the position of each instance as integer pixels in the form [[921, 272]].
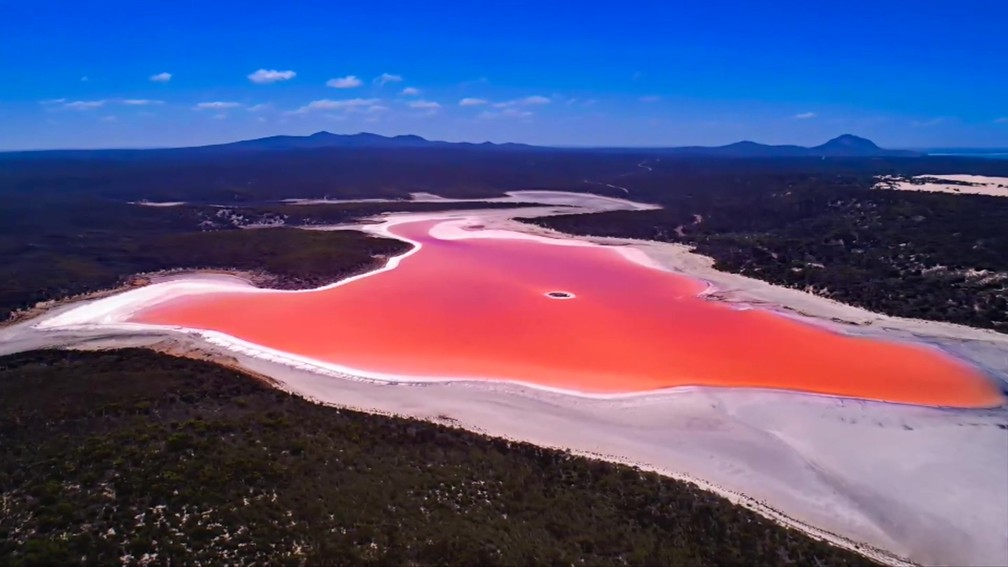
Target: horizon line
[[988, 149]]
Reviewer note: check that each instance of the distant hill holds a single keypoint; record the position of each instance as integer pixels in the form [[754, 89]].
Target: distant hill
[[847, 145], [325, 139], [851, 145]]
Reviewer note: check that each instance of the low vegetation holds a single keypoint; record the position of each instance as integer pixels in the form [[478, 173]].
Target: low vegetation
[[923, 255], [56, 246], [134, 456], [809, 223]]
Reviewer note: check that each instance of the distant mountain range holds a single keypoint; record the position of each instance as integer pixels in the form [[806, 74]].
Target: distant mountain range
[[362, 140], [846, 145]]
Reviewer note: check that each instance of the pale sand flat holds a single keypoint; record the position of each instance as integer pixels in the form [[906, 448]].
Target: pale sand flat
[[978, 184]]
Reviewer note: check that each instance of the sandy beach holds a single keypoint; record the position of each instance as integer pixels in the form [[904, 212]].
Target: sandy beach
[[897, 482]]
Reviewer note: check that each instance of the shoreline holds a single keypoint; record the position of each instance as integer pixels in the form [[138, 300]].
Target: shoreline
[[116, 316], [762, 508], [737, 498], [229, 344], [284, 380], [326, 387]]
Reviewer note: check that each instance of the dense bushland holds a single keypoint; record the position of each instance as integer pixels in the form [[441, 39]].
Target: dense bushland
[[132, 454]]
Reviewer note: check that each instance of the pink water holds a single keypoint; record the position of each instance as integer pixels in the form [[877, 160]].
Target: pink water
[[476, 308]]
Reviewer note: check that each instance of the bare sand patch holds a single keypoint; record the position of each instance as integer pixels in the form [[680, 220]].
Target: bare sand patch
[[158, 203], [955, 184]]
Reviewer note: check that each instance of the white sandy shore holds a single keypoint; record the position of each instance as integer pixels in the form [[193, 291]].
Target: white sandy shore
[[977, 184], [336, 201], [158, 203], [925, 484], [118, 309], [560, 198]]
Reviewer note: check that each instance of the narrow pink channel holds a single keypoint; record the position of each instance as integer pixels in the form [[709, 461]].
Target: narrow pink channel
[[477, 308]]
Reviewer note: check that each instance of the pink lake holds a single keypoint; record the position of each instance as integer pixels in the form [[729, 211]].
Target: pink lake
[[478, 309]]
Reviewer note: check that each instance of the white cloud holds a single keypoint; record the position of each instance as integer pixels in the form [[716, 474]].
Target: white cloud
[[515, 113], [468, 101], [377, 108], [266, 76], [348, 82], [63, 103], [533, 100], [1002, 120], [350, 104], [259, 107], [410, 91], [385, 78], [84, 104], [506, 113], [425, 105], [161, 77], [217, 105], [805, 115], [650, 98]]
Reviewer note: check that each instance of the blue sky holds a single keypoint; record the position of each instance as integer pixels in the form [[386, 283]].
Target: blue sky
[[143, 74]]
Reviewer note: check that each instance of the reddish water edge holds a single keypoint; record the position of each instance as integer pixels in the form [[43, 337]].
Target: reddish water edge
[[477, 308]]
